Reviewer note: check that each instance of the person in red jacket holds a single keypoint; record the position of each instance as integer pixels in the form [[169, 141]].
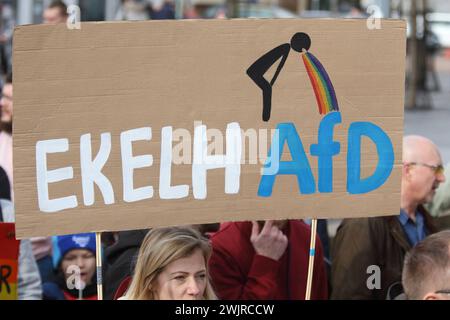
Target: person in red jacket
[[265, 261]]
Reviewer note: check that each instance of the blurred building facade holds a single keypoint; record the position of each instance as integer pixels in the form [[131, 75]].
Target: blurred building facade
[[30, 11]]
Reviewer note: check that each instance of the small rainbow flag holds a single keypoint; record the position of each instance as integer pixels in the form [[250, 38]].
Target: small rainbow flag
[[323, 88]]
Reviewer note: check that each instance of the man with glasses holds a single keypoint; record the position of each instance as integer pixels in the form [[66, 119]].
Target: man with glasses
[[380, 243], [423, 172], [426, 272]]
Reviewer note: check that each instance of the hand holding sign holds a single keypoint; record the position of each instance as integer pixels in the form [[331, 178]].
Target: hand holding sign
[[270, 242]]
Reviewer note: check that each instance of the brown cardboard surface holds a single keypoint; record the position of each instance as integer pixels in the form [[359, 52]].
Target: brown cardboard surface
[[114, 77]]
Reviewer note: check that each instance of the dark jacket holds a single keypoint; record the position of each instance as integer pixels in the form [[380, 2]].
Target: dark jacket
[[5, 186], [56, 289], [360, 243], [120, 260]]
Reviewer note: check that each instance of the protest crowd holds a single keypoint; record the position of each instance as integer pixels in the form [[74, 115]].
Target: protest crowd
[[256, 260]]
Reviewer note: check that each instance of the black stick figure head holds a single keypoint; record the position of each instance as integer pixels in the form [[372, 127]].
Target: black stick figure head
[[300, 41]]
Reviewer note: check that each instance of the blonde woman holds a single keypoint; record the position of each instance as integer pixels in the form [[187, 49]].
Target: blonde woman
[[172, 265]]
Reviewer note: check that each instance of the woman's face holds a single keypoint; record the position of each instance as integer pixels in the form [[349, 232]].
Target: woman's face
[[183, 279], [84, 259]]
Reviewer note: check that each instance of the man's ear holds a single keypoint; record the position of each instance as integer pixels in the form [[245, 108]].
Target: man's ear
[[431, 296], [406, 172]]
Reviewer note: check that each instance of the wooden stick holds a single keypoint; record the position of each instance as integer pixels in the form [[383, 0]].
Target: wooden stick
[[98, 260], [312, 253]]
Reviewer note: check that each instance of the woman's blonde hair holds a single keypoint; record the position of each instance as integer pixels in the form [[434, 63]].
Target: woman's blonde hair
[[161, 247]]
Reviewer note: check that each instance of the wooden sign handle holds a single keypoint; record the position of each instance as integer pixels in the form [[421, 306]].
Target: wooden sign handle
[[312, 253], [98, 260]]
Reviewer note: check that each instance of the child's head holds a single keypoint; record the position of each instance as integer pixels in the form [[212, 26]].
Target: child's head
[[78, 250]]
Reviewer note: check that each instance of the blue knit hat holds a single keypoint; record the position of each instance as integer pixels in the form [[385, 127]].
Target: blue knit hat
[[76, 241]]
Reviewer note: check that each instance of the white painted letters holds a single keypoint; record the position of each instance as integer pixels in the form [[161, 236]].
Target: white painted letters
[[44, 176], [91, 170], [129, 163]]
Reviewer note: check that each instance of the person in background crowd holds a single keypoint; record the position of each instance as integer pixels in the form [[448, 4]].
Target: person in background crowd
[[5, 190], [42, 249], [132, 10], [55, 13], [172, 265], [384, 241], [265, 261], [29, 286], [109, 239], [426, 272], [7, 23], [161, 9], [6, 110], [120, 261], [75, 278]]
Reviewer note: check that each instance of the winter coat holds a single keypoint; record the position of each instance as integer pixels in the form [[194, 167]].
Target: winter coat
[[367, 256]]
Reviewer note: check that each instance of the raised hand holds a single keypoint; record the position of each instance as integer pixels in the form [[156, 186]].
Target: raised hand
[[270, 242]]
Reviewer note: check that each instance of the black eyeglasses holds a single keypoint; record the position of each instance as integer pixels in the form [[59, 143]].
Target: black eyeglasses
[[438, 170]]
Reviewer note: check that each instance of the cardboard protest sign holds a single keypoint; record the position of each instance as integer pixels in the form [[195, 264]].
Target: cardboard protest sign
[[9, 257], [139, 124]]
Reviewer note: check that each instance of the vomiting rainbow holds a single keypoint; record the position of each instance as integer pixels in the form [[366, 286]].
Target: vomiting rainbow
[[323, 88]]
